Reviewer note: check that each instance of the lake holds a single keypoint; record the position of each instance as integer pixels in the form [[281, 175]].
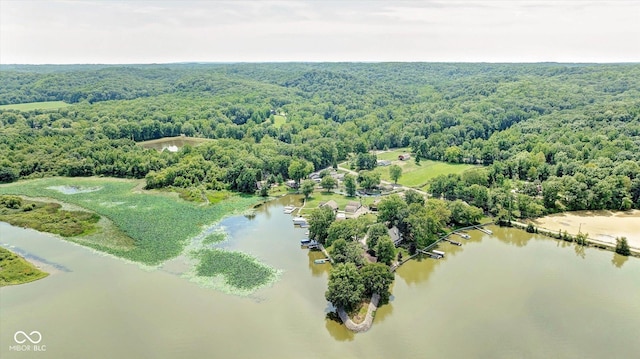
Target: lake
[[509, 295]]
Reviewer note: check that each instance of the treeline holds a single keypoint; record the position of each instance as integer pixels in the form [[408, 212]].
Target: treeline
[[566, 136]]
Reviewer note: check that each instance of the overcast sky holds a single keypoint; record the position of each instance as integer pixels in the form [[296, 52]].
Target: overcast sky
[[64, 31]]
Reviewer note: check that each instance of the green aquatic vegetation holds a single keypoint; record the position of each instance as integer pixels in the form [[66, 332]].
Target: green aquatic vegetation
[[159, 223], [241, 272], [213, 238]]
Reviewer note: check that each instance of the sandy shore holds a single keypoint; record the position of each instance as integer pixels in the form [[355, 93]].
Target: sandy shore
[[601, 225]]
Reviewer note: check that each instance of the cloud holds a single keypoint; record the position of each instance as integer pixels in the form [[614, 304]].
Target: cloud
[[164, 31]]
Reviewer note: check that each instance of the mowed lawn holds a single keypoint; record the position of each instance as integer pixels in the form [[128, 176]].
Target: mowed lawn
[[48, 105], [278, 120], [417, 176], [320, 196], [393, 154]]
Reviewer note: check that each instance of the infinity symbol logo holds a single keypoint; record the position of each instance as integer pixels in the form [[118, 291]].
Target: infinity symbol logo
[[30, 337]]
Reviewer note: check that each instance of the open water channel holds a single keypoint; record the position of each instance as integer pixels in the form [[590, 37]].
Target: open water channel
[[508, 295]]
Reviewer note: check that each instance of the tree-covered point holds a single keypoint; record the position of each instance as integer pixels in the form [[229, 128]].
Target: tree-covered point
[[554, 137]]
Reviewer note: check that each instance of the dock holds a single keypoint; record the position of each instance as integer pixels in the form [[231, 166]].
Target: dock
[[452, 241], [445, 237], [315, 245], [430, 254], [484, 230]]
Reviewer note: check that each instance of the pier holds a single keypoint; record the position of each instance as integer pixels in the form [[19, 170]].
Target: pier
[[445, 238], [452, 241], [430, 254], [484, 230]]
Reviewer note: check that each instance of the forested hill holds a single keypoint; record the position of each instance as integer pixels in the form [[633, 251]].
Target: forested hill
[[565, 136]]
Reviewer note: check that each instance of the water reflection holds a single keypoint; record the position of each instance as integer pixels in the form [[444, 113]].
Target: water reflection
[[384, 311], [334, 326], [317, 269], [514, 237], [619, 260], [417, 270], [39, 261]]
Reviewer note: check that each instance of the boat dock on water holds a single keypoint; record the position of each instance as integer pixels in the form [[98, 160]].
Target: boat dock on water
[[301, 221], [289, 209], [452, 241], [430, 254]]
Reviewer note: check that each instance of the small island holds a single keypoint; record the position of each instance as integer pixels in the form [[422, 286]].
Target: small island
[[16, 270]]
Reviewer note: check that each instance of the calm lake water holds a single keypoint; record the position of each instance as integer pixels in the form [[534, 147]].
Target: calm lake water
[[510, 295]]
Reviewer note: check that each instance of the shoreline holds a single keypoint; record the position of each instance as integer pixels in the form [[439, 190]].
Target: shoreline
[[590, 242], [368, 320], [601, 226]]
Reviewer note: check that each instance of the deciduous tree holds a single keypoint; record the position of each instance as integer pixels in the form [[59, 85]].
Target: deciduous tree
[[307, 187], [346, 286], [328, 183], [319, 221], [395, 172], [385, 250], [350, 185]]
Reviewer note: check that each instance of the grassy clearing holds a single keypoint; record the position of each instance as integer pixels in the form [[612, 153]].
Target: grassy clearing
[[360, 314], [281, 190], [47, 217], [48, 105], [318, 198], [159, 224], [278, 121], [419, 175], [393, 154], [241, 272], [16, 270], [178, 140]]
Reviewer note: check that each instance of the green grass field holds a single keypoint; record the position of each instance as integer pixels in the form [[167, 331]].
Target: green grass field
[[278, 120], [48, 105], [417, 176], [159, 223], [318, 197], [16, 270], [392, 155]]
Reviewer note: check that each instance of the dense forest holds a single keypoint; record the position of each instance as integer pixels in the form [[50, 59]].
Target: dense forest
[[552, 137]]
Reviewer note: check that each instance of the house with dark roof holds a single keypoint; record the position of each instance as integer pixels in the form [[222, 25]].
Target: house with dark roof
[[352, 207], [331, 204]]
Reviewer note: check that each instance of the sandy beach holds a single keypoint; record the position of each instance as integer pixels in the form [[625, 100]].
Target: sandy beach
[[601, 225]]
